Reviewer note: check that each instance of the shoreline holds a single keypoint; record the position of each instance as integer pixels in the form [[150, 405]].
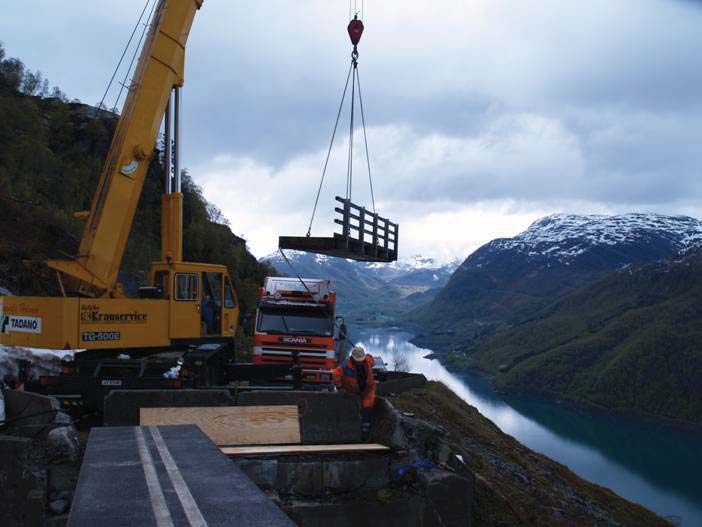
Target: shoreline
[[584, 407], [580, 406]]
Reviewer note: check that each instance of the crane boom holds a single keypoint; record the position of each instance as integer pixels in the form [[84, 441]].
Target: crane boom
[[161, 67], [185, 304]]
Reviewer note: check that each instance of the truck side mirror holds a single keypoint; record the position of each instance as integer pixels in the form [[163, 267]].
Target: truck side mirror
[[341, 329]]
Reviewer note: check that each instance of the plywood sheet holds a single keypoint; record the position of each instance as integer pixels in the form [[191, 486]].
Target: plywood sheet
[[233, 425], [301, 449]]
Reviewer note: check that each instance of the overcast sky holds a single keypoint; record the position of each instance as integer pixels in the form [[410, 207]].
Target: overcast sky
[[483, 115]]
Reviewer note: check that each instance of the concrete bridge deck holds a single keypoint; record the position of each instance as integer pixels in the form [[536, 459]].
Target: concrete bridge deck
[[165, 476]]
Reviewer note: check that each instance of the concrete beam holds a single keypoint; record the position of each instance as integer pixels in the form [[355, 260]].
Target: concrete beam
[[324, 417]]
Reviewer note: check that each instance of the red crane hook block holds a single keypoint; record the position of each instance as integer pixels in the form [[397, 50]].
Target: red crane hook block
[[355, 30]]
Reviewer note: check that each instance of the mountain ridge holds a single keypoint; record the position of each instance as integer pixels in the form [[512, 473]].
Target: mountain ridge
[[369, 292], [627, 344], [510, 278]]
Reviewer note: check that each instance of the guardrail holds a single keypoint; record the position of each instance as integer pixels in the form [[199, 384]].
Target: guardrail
[[366, 229]]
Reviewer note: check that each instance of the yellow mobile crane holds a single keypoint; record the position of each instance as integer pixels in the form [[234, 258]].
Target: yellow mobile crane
[[93, 312]]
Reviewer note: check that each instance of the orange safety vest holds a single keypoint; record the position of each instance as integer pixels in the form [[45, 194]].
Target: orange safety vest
[[345, 376]]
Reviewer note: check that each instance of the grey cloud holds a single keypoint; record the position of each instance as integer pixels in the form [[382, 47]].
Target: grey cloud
[[614, 85]]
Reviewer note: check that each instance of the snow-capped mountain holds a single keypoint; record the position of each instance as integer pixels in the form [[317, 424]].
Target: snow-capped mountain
[[365, 288], [509, 279], [415, 271], [567, 236]]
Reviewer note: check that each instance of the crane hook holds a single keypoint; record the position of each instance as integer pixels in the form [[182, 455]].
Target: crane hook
[[355, 30]]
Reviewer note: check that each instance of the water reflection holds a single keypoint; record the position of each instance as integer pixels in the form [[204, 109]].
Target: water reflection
[[657, 468]]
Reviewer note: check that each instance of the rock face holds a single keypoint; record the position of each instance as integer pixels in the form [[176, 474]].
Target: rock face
[[22, 484], [63, 443], [512, 485], [35, 410], [508, 279], [38, 472]]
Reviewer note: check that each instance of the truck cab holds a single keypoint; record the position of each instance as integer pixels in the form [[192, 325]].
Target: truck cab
[[295, 325]]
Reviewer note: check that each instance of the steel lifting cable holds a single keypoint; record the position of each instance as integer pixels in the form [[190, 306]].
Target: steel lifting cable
[[365, 138], [124, 53], [331, 144], [355, 79], [292, 267], [349, 169], [134, 55]]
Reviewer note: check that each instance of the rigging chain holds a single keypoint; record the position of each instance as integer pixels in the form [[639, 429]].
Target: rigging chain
[[355, 80]]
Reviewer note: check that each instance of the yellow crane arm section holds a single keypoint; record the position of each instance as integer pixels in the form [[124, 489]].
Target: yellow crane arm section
[[160, 68]]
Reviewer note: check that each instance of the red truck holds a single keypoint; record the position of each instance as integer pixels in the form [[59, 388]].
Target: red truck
[[295, 324]]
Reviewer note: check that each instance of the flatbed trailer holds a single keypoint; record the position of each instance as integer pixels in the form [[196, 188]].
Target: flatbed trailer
[[83, 384]]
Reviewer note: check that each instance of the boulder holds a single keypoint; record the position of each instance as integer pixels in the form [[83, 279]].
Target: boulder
[[299, 477], [263, 472], [63, 477], [22, 484], [58, 506], [19, 404], [398, 382], [344, 475], [63, 444], [449, 496], [386, 426]]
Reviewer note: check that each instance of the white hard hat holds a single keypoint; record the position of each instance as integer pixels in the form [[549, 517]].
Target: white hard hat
[[358, 353]]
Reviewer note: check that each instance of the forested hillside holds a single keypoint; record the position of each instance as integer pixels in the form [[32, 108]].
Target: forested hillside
[[631, 343], [51, 153]]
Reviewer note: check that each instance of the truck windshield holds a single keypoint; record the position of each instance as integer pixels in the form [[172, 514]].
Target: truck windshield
[[308, 322]]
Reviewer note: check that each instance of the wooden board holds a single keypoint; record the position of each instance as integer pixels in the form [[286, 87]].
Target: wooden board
[[281, 450], [233, 425]]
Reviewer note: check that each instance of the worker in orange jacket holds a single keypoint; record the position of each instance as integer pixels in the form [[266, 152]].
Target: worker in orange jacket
[[355, 375]]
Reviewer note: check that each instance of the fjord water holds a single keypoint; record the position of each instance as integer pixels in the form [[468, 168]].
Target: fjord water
[[659, 469]]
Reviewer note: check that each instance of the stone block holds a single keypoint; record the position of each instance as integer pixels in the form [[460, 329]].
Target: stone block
[[121, 407], [347, 475], [43, 409], [63, 444], [450, 497], [57, 521], [386, 426], [324, 417], [22, 485], [299, 477], [63, 477], [263, 472], [398, 382], [402, 512], [58, 506]]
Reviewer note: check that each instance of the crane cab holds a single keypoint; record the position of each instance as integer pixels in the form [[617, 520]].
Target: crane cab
[[201, 298], [185, 303]]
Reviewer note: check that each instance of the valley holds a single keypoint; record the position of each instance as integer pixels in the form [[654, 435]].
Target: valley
[[600, 311]]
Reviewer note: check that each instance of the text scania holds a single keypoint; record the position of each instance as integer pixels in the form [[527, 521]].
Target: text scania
[[294, 340]]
